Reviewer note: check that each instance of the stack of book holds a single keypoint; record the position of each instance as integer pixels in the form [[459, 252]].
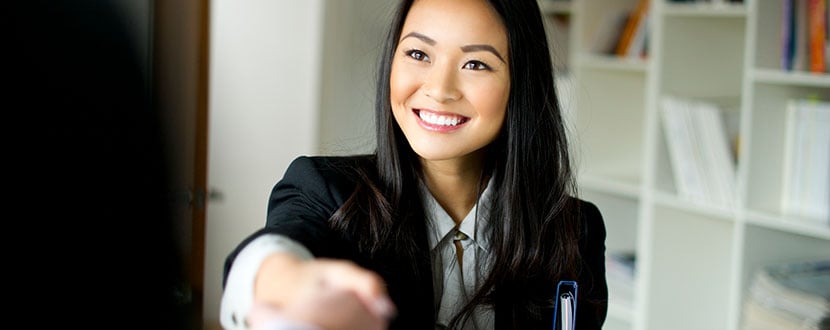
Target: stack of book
[[806, 171], [789, 296], [700, 152]]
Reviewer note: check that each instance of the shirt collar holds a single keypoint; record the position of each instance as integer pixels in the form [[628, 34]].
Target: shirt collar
[[440, 224]]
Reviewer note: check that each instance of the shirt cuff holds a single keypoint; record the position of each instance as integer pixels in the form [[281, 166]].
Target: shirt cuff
[[279, 323], [238, 296]]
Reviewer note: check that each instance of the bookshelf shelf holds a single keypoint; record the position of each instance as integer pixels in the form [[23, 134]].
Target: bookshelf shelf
[[807, 227], [705, 9], [702, 209], [611, 62], [705, 51], [626, 187], [801, 78]]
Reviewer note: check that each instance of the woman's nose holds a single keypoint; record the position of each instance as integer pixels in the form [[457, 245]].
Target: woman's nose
[[441, 84]]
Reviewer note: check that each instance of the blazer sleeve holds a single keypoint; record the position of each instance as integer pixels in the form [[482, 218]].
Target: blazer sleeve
[[593, 305], [299, 207]]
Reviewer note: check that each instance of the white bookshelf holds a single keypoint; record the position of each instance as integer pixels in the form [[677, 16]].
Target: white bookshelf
[[695, 262]]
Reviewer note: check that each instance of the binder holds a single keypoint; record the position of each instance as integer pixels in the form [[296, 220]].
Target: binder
[[564, 310]]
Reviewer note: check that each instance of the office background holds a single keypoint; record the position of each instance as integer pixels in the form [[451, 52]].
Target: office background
[[280, 78]]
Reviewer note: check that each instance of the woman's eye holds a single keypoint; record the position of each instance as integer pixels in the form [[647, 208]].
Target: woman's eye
[[417, 55], [476, 65]]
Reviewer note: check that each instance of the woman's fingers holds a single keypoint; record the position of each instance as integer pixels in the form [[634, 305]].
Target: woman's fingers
[[329, 309], [283, 279], [337, 309], [367, 285]]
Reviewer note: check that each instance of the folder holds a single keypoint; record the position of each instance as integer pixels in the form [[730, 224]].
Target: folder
[[564, 310]]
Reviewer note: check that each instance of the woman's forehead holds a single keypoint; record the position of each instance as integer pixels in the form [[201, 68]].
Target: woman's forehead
[[458, 21]]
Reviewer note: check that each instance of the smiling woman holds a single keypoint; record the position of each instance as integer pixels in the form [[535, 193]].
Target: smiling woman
[[466, 214], [449, 82]]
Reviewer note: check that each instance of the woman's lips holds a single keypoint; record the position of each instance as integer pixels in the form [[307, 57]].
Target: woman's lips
[[439, 121]]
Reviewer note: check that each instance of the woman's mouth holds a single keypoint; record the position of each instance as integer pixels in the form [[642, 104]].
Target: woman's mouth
[[439, 121]]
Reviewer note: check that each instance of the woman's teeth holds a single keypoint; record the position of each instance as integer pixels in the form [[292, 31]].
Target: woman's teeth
[[434, 119]]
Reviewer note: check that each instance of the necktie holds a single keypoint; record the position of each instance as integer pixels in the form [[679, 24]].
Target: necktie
[[454, 283], [459, 251]]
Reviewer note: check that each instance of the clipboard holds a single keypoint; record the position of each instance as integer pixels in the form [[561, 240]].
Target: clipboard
[[564, 310]]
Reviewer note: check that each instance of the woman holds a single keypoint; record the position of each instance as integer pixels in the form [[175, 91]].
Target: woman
[[465, 215]]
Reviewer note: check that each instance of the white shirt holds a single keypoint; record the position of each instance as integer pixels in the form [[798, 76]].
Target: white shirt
[[449, 297]]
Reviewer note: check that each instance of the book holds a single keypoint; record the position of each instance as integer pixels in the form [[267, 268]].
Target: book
[[806, 164], [687, 177], [817, 34], [788, 33], [826, 37], [609, 32], [636, 18], [718, 163], [800, 60], [639, 40], [795, 39], [700, 151], [793, 295]]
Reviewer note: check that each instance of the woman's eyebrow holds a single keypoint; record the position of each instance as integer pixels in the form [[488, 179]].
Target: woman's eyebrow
[[423, 38], [482, 47], [466, 49]]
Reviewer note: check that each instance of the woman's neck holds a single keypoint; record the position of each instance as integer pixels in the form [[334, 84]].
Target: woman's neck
[[455, 184]]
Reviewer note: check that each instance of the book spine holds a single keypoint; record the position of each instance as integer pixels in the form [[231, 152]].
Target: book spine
[[679, 141], [631, 26], [806, 170], [800, 48], [817, 32], [826, 37], [790, 168], [787, 33], [637, 48], [817, 160]]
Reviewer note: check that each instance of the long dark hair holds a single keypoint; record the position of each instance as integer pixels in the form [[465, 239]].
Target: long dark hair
[[534, 223]]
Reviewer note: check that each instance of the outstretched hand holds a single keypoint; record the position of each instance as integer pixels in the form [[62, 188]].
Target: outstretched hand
[[330, 294]]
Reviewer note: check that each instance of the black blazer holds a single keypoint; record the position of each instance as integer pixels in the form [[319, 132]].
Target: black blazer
[[313, 188]]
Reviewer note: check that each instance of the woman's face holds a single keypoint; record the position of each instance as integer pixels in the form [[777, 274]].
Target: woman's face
[[450, 78]]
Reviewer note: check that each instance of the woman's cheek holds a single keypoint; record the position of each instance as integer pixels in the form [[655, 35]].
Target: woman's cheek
[[403, 83]]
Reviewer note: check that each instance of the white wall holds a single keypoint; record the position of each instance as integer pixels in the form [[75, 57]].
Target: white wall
[[287, 78], [353, 35], [263, 111]]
